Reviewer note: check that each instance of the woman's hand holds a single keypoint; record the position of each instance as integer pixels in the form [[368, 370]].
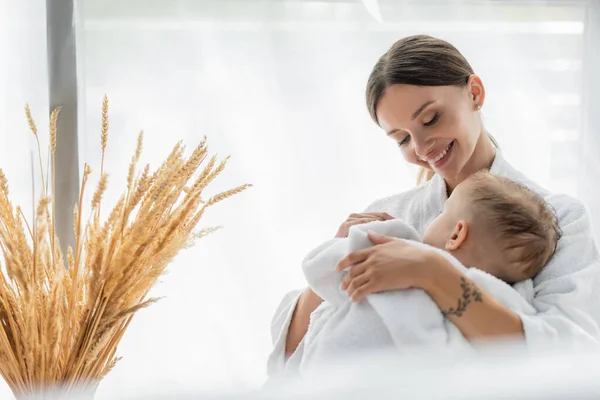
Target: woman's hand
[[357, 219], [390, 264], [395, 264]]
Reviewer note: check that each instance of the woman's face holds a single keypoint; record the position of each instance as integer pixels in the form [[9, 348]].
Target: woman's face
[[436, 127]]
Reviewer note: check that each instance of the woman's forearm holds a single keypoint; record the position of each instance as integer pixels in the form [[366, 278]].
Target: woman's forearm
[[474, 312], [307, 303]]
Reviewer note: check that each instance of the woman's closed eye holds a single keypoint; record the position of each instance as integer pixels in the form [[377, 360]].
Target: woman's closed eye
[[433, 120], [404, 141]]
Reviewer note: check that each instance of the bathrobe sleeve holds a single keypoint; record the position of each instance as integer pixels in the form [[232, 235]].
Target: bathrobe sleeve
[[277, 364]]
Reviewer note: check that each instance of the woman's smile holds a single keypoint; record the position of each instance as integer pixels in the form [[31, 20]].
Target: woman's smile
[[439, 159]]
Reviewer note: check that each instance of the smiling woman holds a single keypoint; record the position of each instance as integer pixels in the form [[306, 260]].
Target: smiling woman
[[279, 85], [424, 94], [433, 116], [442, 134]]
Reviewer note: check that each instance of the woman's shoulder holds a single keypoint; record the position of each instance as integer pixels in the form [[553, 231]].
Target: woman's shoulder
[[577, 249], [566, 207]]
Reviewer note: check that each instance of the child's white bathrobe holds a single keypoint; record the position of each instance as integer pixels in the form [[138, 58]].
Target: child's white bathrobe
[[567, 305], [397, 319]]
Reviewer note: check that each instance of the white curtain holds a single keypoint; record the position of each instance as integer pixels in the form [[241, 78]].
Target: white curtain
[[23, 79], [279, 86]]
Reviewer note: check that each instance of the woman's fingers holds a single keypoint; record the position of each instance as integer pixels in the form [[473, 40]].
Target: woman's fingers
[[354, 258], [354, 272], [376, 238], [359, 221], [382, 216], [345, 228], [361, 292], [356, 284], [363, 218]]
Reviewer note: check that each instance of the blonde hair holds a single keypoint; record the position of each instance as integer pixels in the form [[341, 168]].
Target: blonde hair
[[425, 174], [517, 218]]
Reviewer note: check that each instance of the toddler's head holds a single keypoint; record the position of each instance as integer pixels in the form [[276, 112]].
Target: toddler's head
[[498, 226]]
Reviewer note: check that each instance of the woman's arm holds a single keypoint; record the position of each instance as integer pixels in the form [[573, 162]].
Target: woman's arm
[[568, 310], [395, 264], [309, 300], [474, 312], [307, 303]]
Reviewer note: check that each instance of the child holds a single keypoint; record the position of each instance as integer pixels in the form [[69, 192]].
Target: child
[[498, 226]]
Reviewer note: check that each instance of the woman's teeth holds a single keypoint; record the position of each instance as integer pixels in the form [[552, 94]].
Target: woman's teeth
[[441, 155]]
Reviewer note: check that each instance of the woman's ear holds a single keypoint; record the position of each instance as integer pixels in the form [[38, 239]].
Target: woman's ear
[[476, 90], [458, 237]]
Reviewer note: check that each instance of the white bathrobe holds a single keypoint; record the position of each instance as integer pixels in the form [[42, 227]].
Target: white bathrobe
[[393, 320], [567, 305]]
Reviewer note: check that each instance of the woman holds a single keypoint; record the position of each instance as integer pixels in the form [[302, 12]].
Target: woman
[[425, 96]]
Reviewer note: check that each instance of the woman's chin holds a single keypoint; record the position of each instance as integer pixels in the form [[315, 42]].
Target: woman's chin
[[448, 172]]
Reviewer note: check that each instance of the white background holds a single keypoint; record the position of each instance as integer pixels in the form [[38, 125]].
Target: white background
[[279, 86]]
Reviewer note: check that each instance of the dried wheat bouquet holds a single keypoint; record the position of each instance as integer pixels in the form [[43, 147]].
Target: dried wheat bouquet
[[62, 316]]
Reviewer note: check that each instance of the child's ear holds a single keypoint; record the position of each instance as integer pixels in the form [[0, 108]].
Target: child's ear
[[458, 236]]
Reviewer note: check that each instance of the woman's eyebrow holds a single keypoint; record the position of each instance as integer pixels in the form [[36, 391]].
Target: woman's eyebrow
[[393, 131], [420, 109], [415, 115]]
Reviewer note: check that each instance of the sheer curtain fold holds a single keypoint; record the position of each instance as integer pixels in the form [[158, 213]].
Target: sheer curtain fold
[[589, 161], [23, 79], [279, 86]]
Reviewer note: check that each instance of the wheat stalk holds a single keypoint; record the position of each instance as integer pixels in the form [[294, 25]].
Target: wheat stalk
[[62, 317], [33, 129]]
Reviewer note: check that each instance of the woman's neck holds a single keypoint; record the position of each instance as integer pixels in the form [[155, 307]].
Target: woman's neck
[[482, 158]]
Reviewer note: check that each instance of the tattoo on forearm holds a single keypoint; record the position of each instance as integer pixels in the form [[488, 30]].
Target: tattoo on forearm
[[470, 293]]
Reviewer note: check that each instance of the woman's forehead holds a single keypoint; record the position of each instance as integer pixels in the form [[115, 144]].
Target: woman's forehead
[[400, 102]]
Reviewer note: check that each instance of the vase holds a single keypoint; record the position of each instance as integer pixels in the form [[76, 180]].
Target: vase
[[87, 392]]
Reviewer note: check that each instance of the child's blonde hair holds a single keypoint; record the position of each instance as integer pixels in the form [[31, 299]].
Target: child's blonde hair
[[518, 219]]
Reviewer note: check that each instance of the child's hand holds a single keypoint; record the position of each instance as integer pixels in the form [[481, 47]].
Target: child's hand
[[389, 265], [357, 219]]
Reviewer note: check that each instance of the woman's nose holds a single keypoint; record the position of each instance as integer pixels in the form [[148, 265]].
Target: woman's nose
[[424, 147]]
